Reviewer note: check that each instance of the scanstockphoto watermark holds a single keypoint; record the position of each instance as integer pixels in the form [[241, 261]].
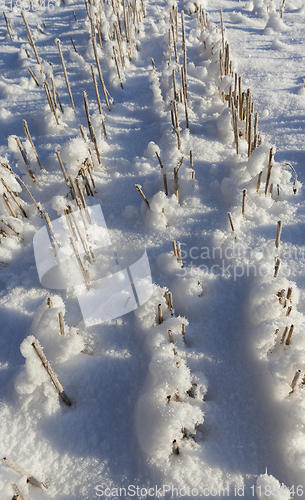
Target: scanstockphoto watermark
[[166, 490], [28, 5], [238, 260]]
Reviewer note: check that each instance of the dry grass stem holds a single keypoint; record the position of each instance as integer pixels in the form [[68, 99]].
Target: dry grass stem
[[50, 226], [9, 226], [276, 267], [165, 184], [175, 448], [33, 76], [175, 248], [50, 100], [49, 302], [9, 206], [179, 258], [65, 74], [160, 314], [295, 381], [10, 192], [56, 95], [91, 129], [183, 331], [73, 45], [100, 73], [269, 170], [289, 335], [19, 493], [170, 336], [289, 293], [7, 26], [278, 234], [61, 324], [243, 209], [284, 334], [159, 159], [27, 132], [139, 189], [51, 373], [259, 178], [29, 479], [176, 182], [117, 66], [231, 221], [31, 39], [62, 167]]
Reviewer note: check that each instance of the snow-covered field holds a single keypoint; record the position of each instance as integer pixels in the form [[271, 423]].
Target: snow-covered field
[[206, 400]]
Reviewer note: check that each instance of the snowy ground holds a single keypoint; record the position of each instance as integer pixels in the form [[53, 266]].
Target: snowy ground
[[222, 396]]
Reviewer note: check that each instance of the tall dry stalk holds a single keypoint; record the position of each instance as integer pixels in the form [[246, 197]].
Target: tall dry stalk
[[65, 74]]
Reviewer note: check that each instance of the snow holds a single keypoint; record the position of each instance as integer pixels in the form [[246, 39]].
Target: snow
[[200, 403]]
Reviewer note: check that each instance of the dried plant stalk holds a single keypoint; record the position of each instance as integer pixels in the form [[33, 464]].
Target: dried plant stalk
[[91, 129], [231, 221], [169, 300], [183, 331], [85, 273], [170, 336], [9, 226], [139, 189], [250, 135], [184, 80], [191, 160], [19, 493], [259, 178], [100, 72], [276, 268], [7, 26], [289, 293], [14, 197], [62, 167], [165, 184], [159, 159], [51, 373], [278, 234], [289, 335], [73, 45], [61, 324], [50, 226], [284, 334], [49, 302], [98, 100], [235, 125], [289, 309], [65, 74], [295, 381], [50, 100], [24, 185], [56, 95], [243, 209], [179, 258], [30, 479], [117, 66], [175, 248], [33, 76], [9, 206], [31, 38], [27, 132], [176, 181], [222, 31], [160, 314], [269, 170], [175, 448]]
